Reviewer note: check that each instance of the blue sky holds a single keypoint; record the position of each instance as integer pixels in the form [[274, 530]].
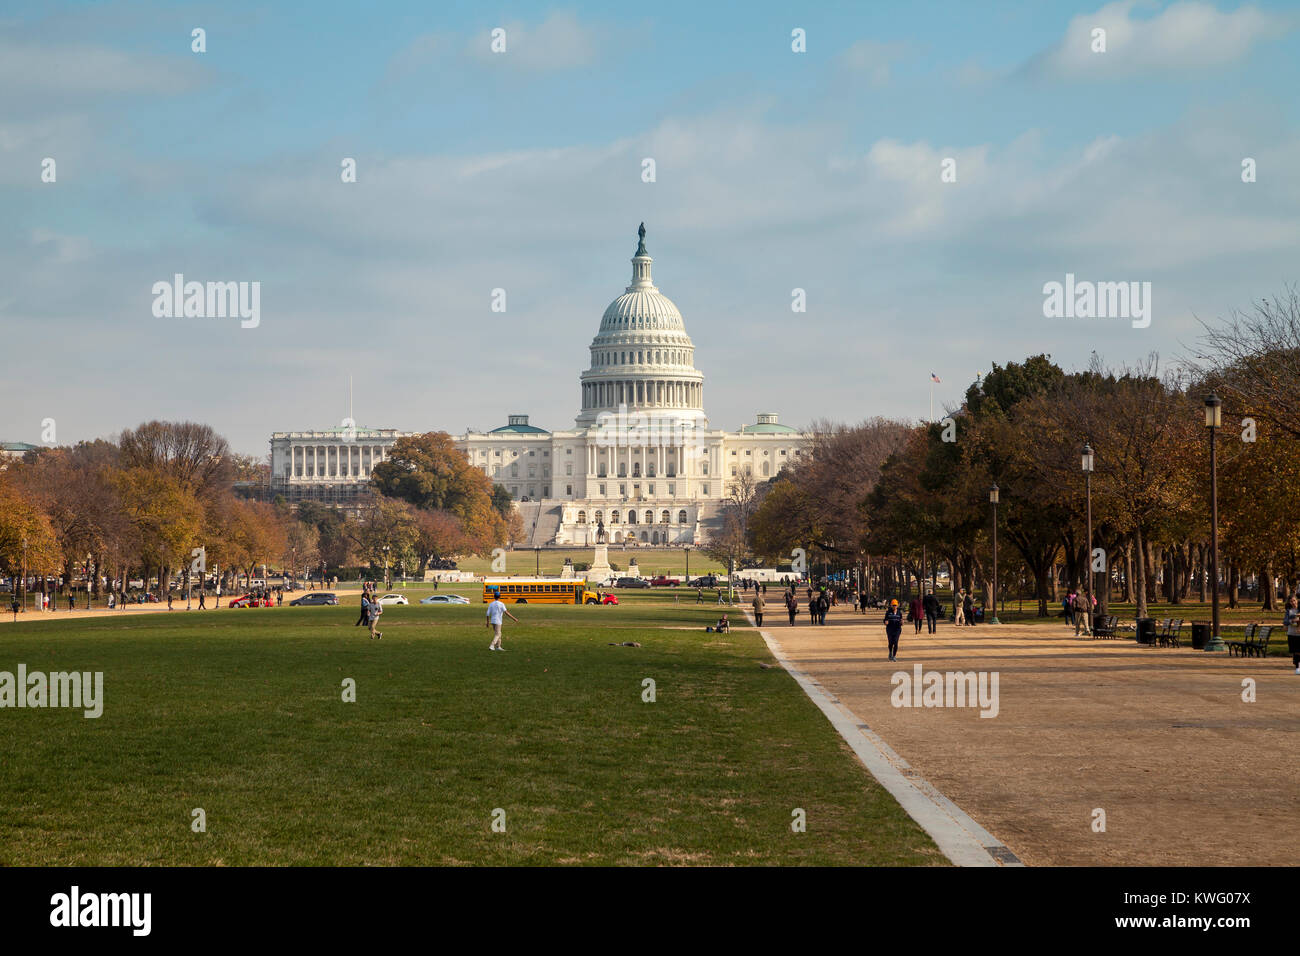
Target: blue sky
[[775, 170]]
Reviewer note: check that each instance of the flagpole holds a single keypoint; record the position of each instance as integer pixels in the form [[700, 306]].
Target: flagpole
[[931, 398]]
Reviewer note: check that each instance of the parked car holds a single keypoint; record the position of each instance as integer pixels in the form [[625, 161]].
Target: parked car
[[609, 599], [632, 583], [252, 600], [664, 581], [315, 597], [707, 581], [444, 599], [387, 599]]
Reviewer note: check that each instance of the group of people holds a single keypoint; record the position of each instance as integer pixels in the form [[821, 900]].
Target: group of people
[[1079, 611], [819, 602], [370, 611]]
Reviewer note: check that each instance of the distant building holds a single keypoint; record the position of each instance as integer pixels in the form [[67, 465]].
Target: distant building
[[13, 450], [330, 465], [641, 461]]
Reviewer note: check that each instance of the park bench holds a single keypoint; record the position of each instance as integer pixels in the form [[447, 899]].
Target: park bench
[[1105, 627], [1254, 642], [1169, 636], [1235, 647]]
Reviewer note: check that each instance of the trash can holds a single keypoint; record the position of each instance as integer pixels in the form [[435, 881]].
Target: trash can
[[1200, 635], [1146, 630]]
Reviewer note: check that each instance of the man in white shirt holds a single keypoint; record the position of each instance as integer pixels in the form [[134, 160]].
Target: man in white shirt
[[495, 611]]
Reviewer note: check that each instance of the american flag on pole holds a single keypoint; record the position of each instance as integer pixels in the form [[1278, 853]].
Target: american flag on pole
[[935, 378]]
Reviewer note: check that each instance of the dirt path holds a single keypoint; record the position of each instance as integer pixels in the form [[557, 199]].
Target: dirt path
[[63, 614], [1160, 739]]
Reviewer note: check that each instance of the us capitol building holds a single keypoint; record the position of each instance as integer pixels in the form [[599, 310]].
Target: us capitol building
[[641, 461]]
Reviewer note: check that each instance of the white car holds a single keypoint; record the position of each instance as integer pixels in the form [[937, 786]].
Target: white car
[[444, 599], [386, 599]]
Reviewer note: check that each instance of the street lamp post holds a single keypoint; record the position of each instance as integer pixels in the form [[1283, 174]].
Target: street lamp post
[[386, 567], [537, 565], [24, 584], [688, 565], [993, 500], [1088, 463], [1213, 419]]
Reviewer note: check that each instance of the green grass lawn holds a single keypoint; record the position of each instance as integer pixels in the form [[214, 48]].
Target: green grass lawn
[[240, 713]]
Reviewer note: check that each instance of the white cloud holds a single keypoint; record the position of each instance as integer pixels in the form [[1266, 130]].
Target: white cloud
[[872, 59], [560, 42], [85, 70], [1187, 35]]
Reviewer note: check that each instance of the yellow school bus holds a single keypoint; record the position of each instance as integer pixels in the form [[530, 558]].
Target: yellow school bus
[[539, 591]]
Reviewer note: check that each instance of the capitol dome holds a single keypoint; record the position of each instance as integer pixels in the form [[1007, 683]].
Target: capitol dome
[[642, 358]]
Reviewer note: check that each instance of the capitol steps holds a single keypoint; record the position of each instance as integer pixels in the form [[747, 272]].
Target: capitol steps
[[541, 522]]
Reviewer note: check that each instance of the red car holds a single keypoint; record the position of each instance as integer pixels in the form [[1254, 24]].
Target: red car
[[663, 581], [608, 599], [249, 601]]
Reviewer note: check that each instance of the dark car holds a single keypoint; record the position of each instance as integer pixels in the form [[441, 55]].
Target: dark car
[[708, 581], [315, 597], [631, 583]]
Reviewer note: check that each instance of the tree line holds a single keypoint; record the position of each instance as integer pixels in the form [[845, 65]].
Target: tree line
[[160, 502], [895, 501]]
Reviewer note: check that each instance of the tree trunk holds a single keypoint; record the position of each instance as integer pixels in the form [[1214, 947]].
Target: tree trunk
[[1267, 592], [1041, 587], [1103, 598], [1202, 562], [1234, 586], [1139, 547], [1128, 597]]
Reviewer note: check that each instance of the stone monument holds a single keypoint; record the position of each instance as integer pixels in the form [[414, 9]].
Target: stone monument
[[600, 569]]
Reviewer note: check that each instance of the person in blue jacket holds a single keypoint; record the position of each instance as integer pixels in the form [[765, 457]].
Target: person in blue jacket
[[893, 626]]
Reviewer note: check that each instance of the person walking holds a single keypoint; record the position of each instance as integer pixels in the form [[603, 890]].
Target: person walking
[[496, 612], [364, 616], [1292, 621], [699, 595], [893, 627], [931, 607], [959, 608], [968, 610], [791, 607], [916, 612], [202, 606], [758, 606], [376, 609]]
